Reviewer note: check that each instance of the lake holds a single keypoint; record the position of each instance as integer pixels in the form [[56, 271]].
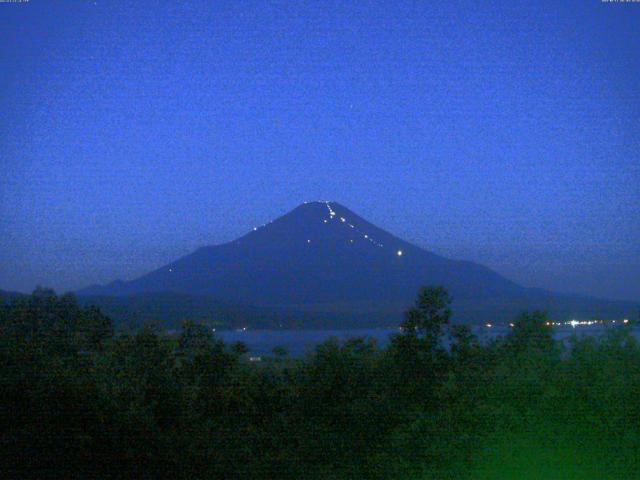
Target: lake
[[300, 342]]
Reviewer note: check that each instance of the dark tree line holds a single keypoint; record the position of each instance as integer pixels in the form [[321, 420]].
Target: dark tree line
[[78, 400]]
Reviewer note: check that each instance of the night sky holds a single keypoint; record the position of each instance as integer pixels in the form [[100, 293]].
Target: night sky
[[504, 132]]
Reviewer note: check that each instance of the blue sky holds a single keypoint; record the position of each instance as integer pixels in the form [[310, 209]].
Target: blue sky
[[132, 132]]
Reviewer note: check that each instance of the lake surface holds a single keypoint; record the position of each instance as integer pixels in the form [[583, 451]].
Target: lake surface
[[300, 342]]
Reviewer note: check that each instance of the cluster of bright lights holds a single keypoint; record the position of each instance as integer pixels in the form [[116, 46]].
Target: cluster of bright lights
[[332, 215], [331, 212], [574, 323]]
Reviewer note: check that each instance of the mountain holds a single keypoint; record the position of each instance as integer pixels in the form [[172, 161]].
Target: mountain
[[170, 309], [324, 259], [6, 296]]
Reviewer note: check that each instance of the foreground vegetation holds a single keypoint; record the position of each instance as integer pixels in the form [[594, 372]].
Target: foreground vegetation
[[78, 400]]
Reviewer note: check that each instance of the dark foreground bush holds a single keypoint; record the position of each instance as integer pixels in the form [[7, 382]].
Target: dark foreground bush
[[80, 401]]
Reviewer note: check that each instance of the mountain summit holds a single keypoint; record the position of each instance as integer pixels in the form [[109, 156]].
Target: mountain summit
[[323, 257]]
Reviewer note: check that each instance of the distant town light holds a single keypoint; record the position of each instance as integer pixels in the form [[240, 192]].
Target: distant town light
[[399, 253], [308, 241], [489, 325], [255, 228]]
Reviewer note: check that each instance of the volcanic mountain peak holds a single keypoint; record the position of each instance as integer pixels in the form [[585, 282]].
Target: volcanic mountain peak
[[318, 253], [321, 256], [318, 221]]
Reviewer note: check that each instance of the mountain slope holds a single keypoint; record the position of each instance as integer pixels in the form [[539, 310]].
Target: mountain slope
[[6, 296], [170, 309], [323, 257]]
